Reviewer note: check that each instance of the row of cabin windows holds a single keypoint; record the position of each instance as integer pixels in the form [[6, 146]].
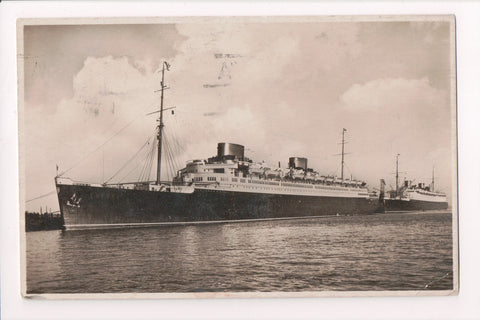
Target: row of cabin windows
[[197, 179], [272, 189], [334, 188], [289, 184], [221, 170], [310, 191], [297, 185]]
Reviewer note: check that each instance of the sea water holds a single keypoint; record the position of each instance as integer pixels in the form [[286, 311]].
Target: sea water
[[394, 251]]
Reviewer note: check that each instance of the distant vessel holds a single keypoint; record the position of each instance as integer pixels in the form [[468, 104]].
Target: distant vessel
[[410, 197], [228, 186]]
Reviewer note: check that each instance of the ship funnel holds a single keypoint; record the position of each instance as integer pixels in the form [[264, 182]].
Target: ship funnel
[[230, 150], [298, 163]]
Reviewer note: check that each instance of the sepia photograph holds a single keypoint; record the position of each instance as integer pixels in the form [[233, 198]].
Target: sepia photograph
[[223, 157]]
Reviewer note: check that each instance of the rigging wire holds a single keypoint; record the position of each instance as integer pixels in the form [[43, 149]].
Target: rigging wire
[[170, 156], [152, 159], [147, 161], [147, 165], [130, 160], [128, 173], [104, 143], [349, 170], [173, 165], [167, 157], [144, 161], [336, 171], [42, 196], [148, 170], [177, 150], [173, 162]]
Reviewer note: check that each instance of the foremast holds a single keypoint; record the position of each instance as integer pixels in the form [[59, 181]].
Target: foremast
[[165, 66]]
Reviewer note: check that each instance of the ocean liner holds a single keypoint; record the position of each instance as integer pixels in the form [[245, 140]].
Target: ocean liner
[[227, 186], [414, 197]]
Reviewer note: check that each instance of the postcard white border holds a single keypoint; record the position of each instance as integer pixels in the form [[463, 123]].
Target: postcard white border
[[12, 304], [21, 23]]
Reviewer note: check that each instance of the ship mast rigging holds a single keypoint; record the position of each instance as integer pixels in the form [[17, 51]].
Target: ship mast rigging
[[433, 179], [343, 151], [396, 176], [166, 66]]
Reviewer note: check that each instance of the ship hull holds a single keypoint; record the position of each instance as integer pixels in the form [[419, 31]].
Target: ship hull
[[103, 207], [413, 205]]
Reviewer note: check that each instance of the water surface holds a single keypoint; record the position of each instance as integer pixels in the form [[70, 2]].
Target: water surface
[[403, 251]]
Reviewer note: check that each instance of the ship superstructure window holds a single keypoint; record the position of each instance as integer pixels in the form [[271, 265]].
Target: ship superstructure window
[[198, 179], [212, 178]]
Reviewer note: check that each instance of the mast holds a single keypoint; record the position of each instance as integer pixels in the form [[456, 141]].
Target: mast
[[343, 151], [160, 122], [396, 177], [433, 179]]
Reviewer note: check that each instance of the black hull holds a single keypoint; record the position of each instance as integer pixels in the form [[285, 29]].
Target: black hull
[[413, 205], [111, 206]]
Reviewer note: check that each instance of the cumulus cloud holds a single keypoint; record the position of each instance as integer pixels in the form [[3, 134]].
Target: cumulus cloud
[[55, 53], [108, 93], [406, 116], [412, 104]]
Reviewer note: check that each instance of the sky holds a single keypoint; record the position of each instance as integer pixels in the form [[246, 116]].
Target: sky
[[281, 89]]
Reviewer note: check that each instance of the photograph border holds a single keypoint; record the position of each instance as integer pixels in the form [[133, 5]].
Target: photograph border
[[21, 23]]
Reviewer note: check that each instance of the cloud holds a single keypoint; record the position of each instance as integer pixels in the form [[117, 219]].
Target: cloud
[[406, 116], [407, 102], [109, 93], [55, 53]]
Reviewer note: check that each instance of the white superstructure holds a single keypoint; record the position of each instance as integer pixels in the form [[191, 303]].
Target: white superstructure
[[236, 175]]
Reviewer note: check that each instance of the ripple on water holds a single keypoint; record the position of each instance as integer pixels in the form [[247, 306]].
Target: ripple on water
[[375, 252]]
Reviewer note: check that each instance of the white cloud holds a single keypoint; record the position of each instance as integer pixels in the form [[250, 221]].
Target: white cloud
[[401, 106], [108, 94], [389, 93], [406, 116]]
